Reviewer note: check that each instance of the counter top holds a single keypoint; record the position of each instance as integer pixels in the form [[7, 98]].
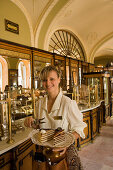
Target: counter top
[[22, 136], [93, 106], [18, 138]]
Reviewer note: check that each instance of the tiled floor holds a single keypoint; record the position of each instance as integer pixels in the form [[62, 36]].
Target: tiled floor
[[99, 154]]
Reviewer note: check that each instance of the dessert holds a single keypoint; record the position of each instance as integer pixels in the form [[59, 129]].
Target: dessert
[[45, 135], [59, 136]]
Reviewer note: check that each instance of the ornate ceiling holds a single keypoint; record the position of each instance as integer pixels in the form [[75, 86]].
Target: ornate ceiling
[[90, 20]]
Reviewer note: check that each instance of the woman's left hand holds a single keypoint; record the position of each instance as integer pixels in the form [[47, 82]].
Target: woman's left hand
[[60, 150]]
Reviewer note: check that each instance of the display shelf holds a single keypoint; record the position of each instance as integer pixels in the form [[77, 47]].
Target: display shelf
[[86, 95], [102, 80]]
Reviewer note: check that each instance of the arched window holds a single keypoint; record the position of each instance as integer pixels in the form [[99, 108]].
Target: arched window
[[0, 76], [66, 44], [22, 74], [3, 73]]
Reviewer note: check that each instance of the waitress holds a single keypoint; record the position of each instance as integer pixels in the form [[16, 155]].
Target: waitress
[[59, 111]]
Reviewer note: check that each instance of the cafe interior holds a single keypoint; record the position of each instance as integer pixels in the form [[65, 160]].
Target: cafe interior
[[75, 36]]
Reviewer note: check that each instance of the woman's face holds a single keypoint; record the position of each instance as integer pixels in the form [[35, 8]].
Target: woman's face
[[51, 82]]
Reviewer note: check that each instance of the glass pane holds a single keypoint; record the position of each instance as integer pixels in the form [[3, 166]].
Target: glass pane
[[106, 90], [39, 64]]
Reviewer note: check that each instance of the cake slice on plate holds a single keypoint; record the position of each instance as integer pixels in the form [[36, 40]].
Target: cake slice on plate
[[45, 135], [59, 136]]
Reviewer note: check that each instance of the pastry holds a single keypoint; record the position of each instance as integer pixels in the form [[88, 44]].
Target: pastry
[[59, 136], [45, 135]]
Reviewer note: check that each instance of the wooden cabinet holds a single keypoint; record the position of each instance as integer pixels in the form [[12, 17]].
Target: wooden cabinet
[[93, 119], [24, 155], [25, 161], [94, 123], [5, 161], [19, 158], [87, 130]]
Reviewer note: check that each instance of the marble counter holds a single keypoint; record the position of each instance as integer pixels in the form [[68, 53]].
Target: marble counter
[[85, 109], [18, 138]]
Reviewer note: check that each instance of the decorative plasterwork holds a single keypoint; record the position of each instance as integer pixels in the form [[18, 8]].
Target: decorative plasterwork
[[98, 45], [91, 37], [50, 30], [42, 18], [46, 8]]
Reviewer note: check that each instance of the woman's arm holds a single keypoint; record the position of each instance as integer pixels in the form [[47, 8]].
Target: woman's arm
[[75, 119]]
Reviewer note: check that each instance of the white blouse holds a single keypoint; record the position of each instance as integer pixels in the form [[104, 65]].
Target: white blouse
[[64, 114]]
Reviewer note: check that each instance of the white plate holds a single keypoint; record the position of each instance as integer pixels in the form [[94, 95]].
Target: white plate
[[69, 139]]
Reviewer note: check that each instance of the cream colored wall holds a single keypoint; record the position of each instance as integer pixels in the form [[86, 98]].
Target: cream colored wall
[[10, 11], [43, 30]]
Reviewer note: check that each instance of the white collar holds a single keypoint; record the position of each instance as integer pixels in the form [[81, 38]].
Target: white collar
[[56, 104]]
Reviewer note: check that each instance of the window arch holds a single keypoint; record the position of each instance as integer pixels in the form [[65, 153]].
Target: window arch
[[64, 43], [3, 73], [21, 74], [24, 77]]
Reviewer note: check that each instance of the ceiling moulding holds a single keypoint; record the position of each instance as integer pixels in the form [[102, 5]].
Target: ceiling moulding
[[22, 8], [42, 18], [98, 45], [51, 29], [44, 14], [104, 52], [40, 38]]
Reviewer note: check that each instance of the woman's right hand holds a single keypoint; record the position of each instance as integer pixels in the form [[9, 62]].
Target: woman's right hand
[[28, 121]]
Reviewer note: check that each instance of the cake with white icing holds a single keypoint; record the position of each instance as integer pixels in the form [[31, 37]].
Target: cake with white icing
[[45, 135]]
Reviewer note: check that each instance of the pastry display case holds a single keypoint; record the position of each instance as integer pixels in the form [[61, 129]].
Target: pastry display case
[[87, 95], [102, 79], [21, 103], [73, 73], [59, 62], [16, 103]]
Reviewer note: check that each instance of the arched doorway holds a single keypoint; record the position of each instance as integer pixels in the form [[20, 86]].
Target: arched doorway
[[24, 77], [3, 73]]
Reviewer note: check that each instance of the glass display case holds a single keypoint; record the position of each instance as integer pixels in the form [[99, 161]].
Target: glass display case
[[16, 103], [94, 88], [87, 95], [106, 93], [40, 60], [102, 79], [59, 62]]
